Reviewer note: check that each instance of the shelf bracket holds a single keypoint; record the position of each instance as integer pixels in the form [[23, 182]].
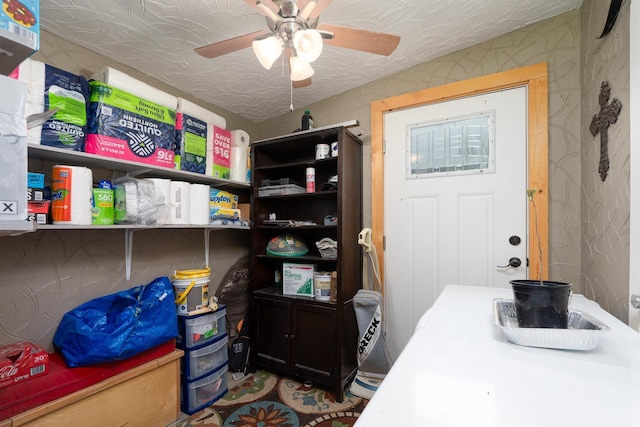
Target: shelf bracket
[[207, 234], [128, 251]]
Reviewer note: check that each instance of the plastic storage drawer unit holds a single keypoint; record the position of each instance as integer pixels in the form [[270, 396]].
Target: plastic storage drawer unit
[[201, 329], [203, 392], [202, 360]]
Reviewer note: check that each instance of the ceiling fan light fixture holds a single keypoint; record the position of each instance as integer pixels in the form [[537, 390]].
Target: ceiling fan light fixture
[[308, 44], [300, 69], [268, 50]]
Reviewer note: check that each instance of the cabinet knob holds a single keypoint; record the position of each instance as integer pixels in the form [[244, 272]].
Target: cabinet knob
[[286, 335]]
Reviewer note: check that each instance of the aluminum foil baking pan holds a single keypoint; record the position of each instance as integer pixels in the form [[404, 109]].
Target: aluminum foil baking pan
[[583, 333]]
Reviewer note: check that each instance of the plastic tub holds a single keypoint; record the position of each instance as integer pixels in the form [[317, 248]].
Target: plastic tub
[[203, 360], [203, 392], [196, 331]]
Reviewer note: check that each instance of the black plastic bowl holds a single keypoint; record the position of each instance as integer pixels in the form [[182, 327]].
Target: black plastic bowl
[[541, 304]]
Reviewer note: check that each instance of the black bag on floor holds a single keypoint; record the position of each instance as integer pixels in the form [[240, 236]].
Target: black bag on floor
[[239, 351]]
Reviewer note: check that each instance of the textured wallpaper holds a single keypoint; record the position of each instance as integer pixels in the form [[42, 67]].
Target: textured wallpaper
[[555, 41], [46, 273], [605, 205]]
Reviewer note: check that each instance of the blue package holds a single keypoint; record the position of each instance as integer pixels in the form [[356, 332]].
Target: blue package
[[191, 137], [70, 94]]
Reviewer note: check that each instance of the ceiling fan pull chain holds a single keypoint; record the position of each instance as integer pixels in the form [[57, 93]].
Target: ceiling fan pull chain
[[291, 88]]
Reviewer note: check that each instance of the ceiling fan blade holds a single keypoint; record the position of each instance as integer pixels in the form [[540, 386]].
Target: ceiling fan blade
[[230, 45], [301, 83], [322, 5], [269, 3], [363, 40]]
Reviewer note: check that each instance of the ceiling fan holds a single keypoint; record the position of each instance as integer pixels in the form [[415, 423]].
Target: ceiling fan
[[294, 29]]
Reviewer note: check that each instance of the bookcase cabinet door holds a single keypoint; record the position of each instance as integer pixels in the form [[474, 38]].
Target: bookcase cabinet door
[[273, 333]]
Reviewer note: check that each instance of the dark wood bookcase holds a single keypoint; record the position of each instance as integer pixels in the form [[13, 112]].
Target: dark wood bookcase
[[301, 336]]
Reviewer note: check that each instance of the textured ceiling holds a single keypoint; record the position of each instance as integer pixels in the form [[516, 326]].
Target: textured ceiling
[[157, 37]]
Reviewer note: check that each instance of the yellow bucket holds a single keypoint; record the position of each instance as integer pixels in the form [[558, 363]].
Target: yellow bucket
[[191, 288]]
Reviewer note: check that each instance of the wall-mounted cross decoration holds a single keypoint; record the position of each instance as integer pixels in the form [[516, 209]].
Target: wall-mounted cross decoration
[[600, 123]]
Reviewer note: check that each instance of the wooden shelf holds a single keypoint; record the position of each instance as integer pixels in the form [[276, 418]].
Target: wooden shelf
[[70, 157], [299, 335], [43, 152]]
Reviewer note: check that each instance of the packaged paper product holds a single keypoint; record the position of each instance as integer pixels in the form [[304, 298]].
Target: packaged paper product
[[51, 88], [127, 127], [222, 199], [221, 157]]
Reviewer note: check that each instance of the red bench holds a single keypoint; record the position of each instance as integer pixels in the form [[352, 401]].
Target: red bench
[[61, 396]]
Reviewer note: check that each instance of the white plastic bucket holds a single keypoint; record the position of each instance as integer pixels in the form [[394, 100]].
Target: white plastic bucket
[[322, 286], [192, 290]]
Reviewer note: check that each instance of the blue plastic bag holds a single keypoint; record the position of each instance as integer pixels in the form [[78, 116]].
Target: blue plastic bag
[[118, 326]]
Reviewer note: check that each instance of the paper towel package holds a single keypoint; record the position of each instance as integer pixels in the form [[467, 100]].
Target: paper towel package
[[51, 88], [180, 201], [127, 127], [123, 81], [19, 32], [199, 204], [239, 152], [221, 152], [71, 195], [13, 150]]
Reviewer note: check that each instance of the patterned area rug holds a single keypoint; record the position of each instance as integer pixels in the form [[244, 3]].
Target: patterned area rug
[[266, 400]]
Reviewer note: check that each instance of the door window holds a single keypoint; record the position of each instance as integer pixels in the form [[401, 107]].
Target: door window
[[454, 146]]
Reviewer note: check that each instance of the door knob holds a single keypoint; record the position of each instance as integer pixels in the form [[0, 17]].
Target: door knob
[[635, 301], [513, 262]]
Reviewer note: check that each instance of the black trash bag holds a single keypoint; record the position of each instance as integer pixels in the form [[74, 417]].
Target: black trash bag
[[239, 350]]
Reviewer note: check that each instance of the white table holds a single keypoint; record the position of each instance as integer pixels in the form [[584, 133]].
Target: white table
[[458, 369]]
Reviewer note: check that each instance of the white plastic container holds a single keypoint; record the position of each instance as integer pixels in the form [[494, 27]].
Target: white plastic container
[[203, 392], [198, 296], [196, 331], [322, 285], [201, 361]]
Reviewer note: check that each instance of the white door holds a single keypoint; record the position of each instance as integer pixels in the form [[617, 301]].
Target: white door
[[455, 203]]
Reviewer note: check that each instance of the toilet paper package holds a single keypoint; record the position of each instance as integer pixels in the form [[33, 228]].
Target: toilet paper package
[[191, 137], [52, 88], [194, 136], [127, 127]]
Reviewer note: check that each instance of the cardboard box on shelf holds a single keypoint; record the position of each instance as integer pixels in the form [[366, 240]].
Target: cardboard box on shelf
[[22, 361], [19, 32], [38, 211], [297, 279]]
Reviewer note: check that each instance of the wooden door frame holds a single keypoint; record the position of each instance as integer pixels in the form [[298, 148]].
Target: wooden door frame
[[534, 77]]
